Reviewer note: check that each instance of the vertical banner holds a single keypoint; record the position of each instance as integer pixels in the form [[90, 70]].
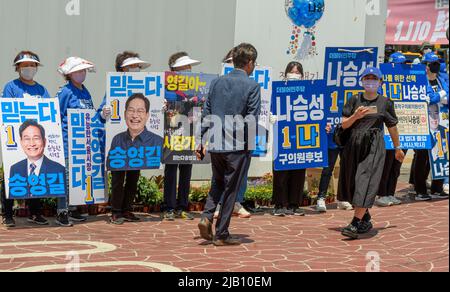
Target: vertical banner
[[300, 135], [262, 75], [144, 152], [406, 86], [87, 182], [33, 155], [186, 94], [343, 69], [439, 155]]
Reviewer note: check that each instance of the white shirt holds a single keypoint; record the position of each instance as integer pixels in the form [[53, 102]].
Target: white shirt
[[38, 166]]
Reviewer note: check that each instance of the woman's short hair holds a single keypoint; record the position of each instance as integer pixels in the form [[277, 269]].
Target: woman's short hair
[[122, 57], [293, 65]]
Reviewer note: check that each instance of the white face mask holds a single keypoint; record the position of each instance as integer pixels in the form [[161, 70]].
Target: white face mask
[[294, 76], [426, 51], [28, 73], [134, 70]]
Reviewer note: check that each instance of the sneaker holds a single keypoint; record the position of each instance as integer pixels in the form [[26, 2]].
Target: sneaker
[[130, 217], [37, 219], [117, 219], [169, 216], [217, 212], [345, 206], [298, 212], [9, 222], [384, 202], [240, 211], [350, 231], [321, 206], [446, 188], [365, 227], [184, 215], [280, 212], [395, 201], [423, 198], [441, 196], [75, 216], [289, 212], [63, 220]]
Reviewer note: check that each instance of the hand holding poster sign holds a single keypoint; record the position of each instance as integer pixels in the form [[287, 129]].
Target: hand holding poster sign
[[262, 75], [406, 86], [343, 68], [186, 93], [87, 182], [33, 156], [135, 131], [300, 137]]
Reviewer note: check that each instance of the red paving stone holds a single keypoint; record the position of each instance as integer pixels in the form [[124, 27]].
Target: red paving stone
[[410, 237]]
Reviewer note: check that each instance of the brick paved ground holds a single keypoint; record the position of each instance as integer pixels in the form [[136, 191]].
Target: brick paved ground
[[410, 237]]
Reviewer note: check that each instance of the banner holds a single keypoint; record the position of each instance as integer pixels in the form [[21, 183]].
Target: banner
[[262, 75], [32, 148], [186, 93], [87, 181], [343, 69], [406, 86], [299, 133], [412, 22], [144, 152], [439, 155]]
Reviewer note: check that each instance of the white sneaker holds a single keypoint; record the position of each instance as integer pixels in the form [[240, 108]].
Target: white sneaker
[[216, 214], [384, 202], [345, 206], [446, 188], [395, 201], [240, 211], [321, 206]]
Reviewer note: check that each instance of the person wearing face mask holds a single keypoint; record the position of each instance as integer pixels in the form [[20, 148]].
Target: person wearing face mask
[[124, 183], [425, 48], [127, 61], [364, 153], [74, 95], [26, 64], [176, 207], [392, 167], [288, 185], [437, 94]]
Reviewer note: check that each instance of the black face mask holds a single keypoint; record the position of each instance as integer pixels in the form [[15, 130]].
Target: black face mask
[[434, 67]]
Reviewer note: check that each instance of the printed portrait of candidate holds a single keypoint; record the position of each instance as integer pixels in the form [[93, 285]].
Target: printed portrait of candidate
[[435, 128], [137, 114], [33, 142]]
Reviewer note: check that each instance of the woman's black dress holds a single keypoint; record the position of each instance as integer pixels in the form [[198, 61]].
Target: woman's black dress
[[364, 154]]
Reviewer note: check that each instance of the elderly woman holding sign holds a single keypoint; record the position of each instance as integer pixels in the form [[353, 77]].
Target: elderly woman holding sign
[[74, 95], [362, 136], [26, 64]]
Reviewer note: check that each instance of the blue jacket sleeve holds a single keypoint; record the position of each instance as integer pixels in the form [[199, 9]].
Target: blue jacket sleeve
[[100, 109]]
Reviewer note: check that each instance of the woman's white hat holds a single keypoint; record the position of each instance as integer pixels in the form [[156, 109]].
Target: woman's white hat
[[134, 61], [75, 64], [185, 61]]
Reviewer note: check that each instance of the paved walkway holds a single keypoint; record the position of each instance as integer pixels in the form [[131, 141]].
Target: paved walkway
[[410, 237]]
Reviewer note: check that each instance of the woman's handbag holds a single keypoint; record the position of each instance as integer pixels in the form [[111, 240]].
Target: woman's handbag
[[341, 136]]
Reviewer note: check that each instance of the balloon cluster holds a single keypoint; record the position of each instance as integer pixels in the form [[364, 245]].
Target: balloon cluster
[[306, 12]]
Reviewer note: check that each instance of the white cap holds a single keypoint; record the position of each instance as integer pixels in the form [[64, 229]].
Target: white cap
[[28, 58], [75, 64], [185, 61], [134, 61]]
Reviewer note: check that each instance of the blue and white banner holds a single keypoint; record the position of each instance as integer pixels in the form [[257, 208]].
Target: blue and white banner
[[32, 148], [146, 151], [264, 76], [300, 131], [87, 181], [343, 70], [406, 86], [439, 154]]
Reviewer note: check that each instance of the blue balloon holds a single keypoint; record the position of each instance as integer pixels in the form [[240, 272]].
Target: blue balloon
[[306, 12]]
